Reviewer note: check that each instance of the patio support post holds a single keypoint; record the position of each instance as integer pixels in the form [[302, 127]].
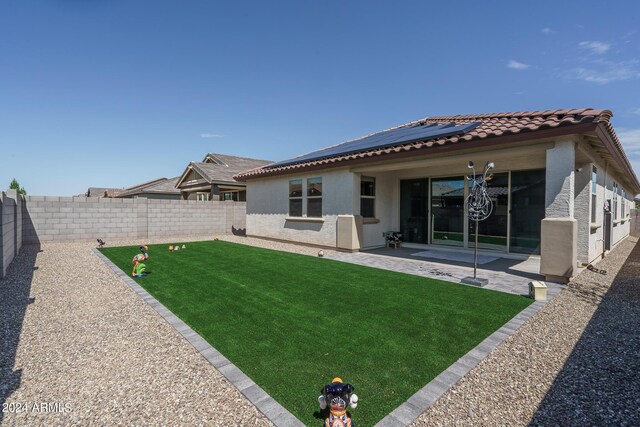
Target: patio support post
[[558, 252]]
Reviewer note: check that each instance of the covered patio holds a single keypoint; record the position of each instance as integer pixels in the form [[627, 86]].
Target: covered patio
[[506, 273]]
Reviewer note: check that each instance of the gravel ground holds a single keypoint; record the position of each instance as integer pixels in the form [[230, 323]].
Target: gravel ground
[[575, 363], [78, 336], [77, 339]]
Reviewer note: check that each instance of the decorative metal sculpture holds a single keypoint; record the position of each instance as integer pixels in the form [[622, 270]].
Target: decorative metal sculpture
[[479, 206]]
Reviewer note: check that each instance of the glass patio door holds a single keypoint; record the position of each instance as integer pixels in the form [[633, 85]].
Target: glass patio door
[[492, 232], [414, 210], [447, 211]]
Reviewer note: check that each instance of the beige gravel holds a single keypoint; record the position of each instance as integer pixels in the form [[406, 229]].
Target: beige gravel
[[553, 370], [89, 344], [88, 341]]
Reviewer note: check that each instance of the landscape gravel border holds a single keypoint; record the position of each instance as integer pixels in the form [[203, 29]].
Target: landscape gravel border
[[266, 404]]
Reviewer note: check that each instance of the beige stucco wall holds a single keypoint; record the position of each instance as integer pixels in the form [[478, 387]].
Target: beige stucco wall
[[268, 205]]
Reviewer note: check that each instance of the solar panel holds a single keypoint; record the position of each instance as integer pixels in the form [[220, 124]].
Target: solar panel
[[403, 135]]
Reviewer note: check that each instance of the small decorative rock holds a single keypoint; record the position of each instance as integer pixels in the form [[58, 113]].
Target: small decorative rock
[[320, 253]]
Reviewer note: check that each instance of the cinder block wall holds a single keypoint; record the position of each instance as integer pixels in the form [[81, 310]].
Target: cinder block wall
[[47, 218], [10, 228]]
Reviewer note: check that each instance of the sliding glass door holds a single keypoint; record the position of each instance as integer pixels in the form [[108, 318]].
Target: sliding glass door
[[414, 210], [492, 232], [447, 211], [433, 211], [527, 210]]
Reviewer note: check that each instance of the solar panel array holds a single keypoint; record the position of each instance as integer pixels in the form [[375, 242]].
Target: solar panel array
[[389, 138]]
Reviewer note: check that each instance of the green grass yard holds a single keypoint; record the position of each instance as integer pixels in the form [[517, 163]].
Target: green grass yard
[[292, 322]]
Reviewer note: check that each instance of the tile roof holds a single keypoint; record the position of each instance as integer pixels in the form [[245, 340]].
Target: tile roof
[[228, 167], [103, 191], [493, 125], [160, 186]]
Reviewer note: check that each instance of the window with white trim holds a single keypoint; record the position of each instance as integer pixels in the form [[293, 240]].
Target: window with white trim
[[314, 197], [295, 197], [368, 196], [623, 204], [203, 197], [594, 189]]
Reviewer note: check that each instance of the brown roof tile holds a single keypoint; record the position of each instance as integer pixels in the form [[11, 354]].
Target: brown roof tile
[[492, 125]]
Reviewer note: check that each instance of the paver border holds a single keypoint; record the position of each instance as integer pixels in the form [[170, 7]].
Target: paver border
[[266, 404], [403, 415]]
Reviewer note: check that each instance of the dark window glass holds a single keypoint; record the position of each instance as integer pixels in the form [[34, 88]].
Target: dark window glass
[[492, 232], [367, 207], [295, 207], [314, 187], [414, 204], [295, 188], [314, 207], [447, 211], [368, 186], [527, 210]]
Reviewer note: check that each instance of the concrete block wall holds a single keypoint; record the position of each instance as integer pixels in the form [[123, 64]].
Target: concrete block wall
[[10, 228], [190, 217], [46, 218]]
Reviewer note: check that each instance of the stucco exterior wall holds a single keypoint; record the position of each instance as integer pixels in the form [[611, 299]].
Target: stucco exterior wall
[[268, 206], [387, 199]]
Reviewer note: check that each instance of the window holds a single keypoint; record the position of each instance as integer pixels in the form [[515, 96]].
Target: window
[[615, 201], [295, 197], [623, 205], [367, 196], [204, 197], [594, 197], [314, 197], [230, 195]]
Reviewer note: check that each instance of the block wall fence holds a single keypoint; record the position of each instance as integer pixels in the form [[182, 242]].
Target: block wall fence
[[35, 219]]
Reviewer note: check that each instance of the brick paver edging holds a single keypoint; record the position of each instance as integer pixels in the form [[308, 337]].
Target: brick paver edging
[[410, 410], [266, 404]]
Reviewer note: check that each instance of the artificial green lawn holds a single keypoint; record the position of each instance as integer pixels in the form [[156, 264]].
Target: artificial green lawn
[[293, 322]]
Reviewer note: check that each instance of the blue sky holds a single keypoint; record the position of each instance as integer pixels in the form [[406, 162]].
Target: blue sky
[[113, 93]]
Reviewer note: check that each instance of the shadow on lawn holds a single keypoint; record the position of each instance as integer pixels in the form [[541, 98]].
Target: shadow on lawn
[[599, 383], [15, 289]]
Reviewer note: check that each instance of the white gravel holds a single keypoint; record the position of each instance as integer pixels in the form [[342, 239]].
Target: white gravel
[[96, 354], [86, 341], [575, 363]]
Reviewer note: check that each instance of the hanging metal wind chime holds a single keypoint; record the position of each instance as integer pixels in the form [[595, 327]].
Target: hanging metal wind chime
[[479, 206]]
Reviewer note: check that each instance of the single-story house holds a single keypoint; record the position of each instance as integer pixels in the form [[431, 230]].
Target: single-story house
[[161, 188], [212, 178], [562, 187]]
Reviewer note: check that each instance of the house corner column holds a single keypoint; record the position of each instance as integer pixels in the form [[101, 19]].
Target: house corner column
[[559, 227]]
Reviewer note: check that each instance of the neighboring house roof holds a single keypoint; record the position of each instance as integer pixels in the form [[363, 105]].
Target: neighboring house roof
[[103, 192], [221, 168], [156, 186], [494, 128]]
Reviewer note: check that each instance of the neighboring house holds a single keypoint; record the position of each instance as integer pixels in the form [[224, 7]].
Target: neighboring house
[[562, 187], [161, 188], [212, 178], [103, 192]]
